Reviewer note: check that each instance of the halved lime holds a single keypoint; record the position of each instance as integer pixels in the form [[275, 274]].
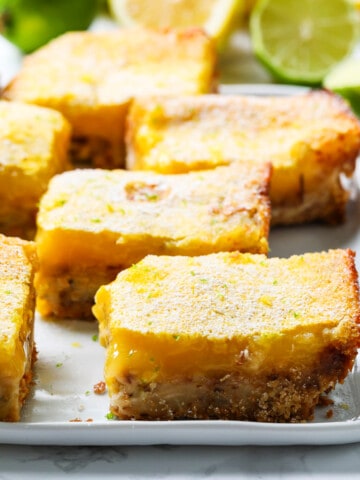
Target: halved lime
[[344, 79], [300, 41]]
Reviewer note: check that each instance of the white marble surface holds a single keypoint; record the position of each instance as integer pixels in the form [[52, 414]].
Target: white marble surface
[[170, 462]]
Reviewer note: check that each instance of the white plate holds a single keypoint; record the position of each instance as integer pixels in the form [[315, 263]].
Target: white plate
[[70, 363], [262, 89], [64, 410]]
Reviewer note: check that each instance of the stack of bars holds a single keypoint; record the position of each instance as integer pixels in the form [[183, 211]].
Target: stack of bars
[[165, 242]]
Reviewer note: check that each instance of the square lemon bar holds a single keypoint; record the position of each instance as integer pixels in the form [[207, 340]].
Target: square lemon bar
[[93, 223], [91, 78], [311, 140], [228, 335], [18, 263], [34, 145]]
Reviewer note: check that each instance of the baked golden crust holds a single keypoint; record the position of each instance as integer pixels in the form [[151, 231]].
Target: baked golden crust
[[310, 139], [33, 147], [91, 78], [93, 223], [229, 335], [18, 263]]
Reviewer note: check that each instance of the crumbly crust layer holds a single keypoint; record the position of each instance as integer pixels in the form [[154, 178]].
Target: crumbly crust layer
[[278, 397], [70, 293]]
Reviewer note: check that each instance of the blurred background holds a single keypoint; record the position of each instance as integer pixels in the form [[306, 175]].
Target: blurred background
[[312, 42]]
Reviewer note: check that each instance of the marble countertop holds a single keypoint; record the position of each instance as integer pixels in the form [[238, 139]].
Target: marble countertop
[[173, 462]]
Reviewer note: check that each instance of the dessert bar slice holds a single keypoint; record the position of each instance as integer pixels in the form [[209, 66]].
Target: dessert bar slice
[[228, 335], [91, 78], [34, 145], [18, 263], [93, 223], [310, 139]]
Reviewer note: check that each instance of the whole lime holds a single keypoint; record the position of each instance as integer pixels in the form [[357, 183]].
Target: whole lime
[[29, 24]]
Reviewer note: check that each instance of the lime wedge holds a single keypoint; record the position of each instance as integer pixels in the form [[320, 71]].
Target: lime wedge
[[300, 41], [344, 79]]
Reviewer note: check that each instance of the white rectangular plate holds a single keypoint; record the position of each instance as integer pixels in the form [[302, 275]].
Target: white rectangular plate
[[64, 410]]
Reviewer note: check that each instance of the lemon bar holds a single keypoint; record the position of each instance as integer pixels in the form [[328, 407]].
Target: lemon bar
[[33, 147], [91, 78], [92, 223], [310, 139], [228, 335], [18, 263]]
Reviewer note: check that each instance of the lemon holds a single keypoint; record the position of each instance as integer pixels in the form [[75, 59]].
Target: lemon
[[300, 41], [355, 3], [217, 17], [344, 79]]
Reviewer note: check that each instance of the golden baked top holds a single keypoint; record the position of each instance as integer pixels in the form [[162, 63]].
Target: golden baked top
[[118, 216], [232, 295], [317, 128]]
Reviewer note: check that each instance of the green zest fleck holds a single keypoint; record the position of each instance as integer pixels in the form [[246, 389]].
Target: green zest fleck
[[296, 315], [95, 337], [87, 393], [192, 273], [275, 282], [110, 416], [95, 220], [176, 337], [60, 202], [203, 280], [8, 292], [152, 196], [59, 364]]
